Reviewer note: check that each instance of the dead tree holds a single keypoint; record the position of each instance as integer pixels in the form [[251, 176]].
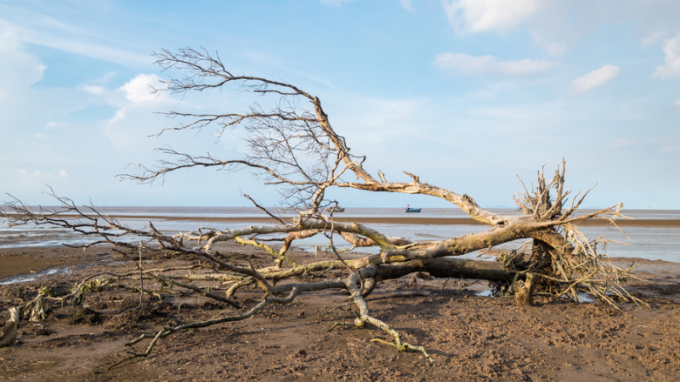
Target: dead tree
[[293, 145]]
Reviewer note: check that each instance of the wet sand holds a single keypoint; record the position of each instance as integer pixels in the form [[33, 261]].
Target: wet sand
[[470, 337], [28, 261]]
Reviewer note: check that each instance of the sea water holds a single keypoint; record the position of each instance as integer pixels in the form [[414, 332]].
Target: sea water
[[652, 243]]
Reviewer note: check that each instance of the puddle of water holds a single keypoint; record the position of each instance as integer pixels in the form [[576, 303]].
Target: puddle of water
[[585, 298], [114, 263], [582, 297], [32, 276]]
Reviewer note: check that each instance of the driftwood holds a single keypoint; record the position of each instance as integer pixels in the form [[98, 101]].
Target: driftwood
[[9, 332], [293, 146]]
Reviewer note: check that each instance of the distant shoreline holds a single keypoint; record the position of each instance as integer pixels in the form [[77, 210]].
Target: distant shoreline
[[415, 220]]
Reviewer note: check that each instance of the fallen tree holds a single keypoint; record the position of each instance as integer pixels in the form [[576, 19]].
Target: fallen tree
[[293, 146]]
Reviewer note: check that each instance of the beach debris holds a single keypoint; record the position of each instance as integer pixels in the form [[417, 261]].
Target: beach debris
[[9, 332], [36, 310]]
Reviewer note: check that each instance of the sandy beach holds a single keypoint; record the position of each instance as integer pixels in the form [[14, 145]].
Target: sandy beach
[[469, 336]]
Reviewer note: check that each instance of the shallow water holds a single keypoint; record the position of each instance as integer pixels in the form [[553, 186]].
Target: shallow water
[[650, 243], [32, 276]]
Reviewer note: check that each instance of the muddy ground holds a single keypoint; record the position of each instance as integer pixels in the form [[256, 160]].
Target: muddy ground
[[469, 336]]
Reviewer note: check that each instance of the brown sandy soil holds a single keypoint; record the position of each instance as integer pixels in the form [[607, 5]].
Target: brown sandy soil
[[470, 337], [27, 261]]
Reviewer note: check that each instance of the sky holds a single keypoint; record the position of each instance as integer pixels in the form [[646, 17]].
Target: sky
[[471, 95]]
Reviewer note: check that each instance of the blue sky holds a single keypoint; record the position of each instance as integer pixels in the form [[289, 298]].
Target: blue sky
[[468, 94]]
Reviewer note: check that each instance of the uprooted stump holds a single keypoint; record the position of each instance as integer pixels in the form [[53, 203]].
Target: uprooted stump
[[524, 290]]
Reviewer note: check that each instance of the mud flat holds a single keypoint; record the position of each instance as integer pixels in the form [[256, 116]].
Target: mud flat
[[470, 337]]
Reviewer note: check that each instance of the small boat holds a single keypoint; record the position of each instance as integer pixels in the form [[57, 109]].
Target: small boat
[[411, 209], [336, 209]]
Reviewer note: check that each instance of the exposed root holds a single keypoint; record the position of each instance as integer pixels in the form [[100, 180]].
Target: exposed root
[[565, 261], [364, 316]]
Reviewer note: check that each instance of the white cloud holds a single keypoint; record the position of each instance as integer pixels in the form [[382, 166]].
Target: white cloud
[[464, 64], [33, 179], [55, 124], [671, 47], [407, 4], [141, 89], [97, 86], [94, 89], [553, 48], [135, 117], [558, 25], [594, 79], [653, 38], [39, 136], [36, 177], [622, 143], [488, 15], [677, 103], [139, 94]]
